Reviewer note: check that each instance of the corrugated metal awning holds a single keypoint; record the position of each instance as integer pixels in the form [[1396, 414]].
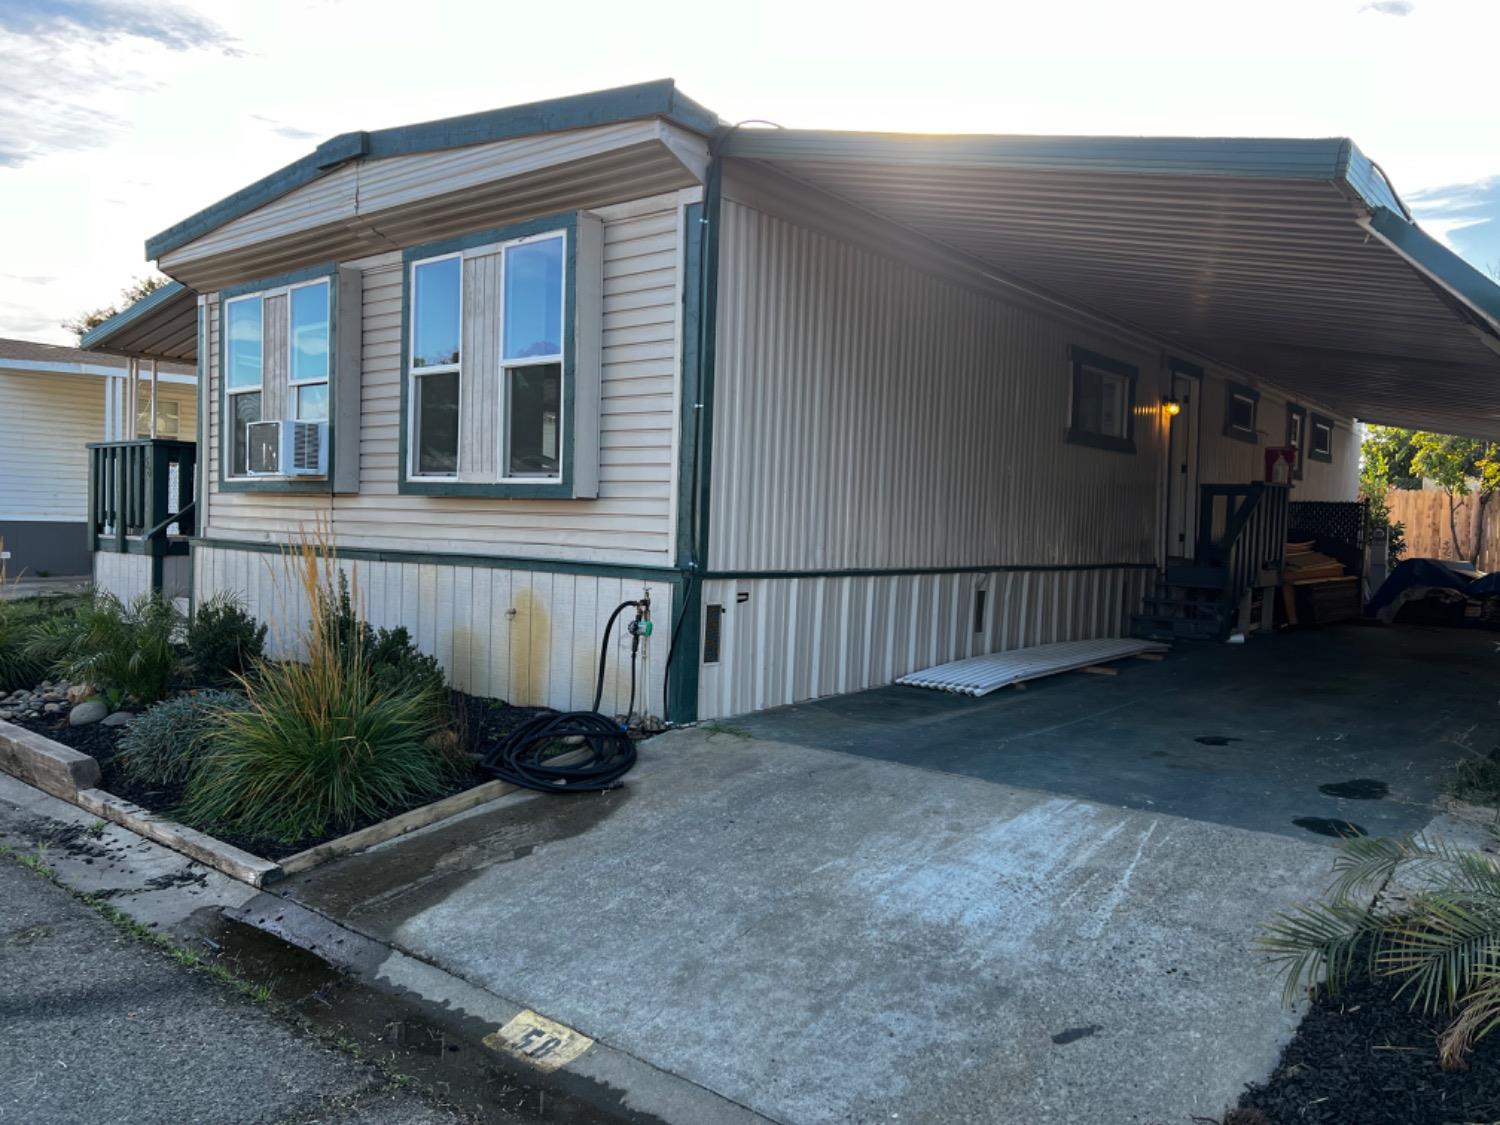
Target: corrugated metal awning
[[160, 326], [1292, 260]]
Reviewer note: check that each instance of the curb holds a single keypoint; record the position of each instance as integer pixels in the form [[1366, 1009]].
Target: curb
[[74, 776]]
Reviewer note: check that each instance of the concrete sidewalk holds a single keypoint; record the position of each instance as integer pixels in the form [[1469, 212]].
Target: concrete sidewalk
[[821, 937]]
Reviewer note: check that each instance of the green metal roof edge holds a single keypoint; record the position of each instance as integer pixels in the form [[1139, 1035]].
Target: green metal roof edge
[[1441, 264], [100, 333], [659, 98], [1276, 158]]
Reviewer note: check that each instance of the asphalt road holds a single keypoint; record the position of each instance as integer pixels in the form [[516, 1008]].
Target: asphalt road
[[96, 1025]]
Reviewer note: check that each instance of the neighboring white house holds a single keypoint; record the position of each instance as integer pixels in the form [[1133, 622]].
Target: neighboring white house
[[54, 401], [848, 404]]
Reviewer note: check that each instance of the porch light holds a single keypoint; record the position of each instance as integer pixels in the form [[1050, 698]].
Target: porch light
[[1170, 406]]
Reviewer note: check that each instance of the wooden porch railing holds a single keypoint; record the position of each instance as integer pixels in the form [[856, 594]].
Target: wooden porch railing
[[138, 491], [1246, 536]]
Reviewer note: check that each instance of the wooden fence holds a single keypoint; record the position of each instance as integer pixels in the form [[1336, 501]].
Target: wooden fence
[[1428, 533]]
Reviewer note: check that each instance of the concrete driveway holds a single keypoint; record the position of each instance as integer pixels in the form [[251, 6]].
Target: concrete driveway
[[826, 936]]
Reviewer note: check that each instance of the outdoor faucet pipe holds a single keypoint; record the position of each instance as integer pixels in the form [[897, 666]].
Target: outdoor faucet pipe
[[530, 755]]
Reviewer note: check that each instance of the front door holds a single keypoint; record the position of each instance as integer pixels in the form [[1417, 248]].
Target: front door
[[1182, 467]]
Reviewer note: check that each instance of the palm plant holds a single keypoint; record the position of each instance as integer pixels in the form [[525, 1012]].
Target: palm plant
[[1442, 940], [124, 651]]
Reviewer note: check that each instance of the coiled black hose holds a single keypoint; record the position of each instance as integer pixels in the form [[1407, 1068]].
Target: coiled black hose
[[527, 755]]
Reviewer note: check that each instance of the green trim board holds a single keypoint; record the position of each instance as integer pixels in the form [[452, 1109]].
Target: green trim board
[[644, 100], [439, 558], [560, 489], [897, 572], [308, 486], [1442, 265], [101, 332]]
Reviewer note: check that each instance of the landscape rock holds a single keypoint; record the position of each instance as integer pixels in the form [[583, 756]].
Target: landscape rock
[[90, 711], [118, 719], [52, 708]]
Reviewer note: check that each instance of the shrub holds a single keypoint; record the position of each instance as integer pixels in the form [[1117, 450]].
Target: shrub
[[322, 744], [319, 748], [18, 667], [124, 651], [1442, 941], [160, 746], [394, 661], [223, 640]]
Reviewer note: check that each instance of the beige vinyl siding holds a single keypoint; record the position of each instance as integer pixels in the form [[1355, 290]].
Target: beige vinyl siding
[[870, 414], [630, 522], [46, 420], [529, 637]]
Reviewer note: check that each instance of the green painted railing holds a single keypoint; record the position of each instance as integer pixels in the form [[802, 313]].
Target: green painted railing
[[141, 497]]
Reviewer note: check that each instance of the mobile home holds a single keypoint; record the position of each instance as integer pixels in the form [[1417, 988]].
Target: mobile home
[[849, 405]]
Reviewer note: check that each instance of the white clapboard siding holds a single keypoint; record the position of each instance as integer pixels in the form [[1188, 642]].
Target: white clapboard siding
[[127, 577], [530, 637], [630, 522], [794, 639]]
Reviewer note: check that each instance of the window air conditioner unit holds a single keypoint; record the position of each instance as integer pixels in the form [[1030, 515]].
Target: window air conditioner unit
[[288, 449]]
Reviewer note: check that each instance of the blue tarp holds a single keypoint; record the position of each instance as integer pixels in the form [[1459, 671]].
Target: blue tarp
[[1431, 574]]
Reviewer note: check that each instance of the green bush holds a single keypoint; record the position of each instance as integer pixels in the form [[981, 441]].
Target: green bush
[[1441, 941], [394, 661], [223, 641], [125, 651], [161, 745], [18, 667], [319, 748]]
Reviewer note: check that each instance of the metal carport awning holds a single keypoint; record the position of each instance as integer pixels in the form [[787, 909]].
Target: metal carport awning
[[1292, 260]]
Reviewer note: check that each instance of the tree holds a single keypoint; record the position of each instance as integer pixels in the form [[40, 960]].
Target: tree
[[1460, 467], [135, 291]]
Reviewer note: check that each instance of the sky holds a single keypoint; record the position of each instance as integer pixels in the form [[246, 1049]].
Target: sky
[[122, 118]]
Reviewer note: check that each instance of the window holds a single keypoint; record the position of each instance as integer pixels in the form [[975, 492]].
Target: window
[[168, 416], [1103, 412], [1240, 403], [308, 363], [278, 366], [1296, 435], [532, 362], [244, 363], [525, 417], [437, 302], [1320, 438]]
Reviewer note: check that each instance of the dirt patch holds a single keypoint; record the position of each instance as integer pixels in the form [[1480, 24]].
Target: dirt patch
[[1366, 1057]]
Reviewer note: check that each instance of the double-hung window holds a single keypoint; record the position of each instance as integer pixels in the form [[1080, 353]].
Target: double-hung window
[[1240, 408], [308, 364], [502, 389], [244, 375], [277, 356], [436, 364]]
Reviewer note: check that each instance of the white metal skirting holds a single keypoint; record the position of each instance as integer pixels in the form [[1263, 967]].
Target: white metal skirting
[[980, 675]]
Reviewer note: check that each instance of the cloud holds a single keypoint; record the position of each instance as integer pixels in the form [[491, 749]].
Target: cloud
[[59, 75], [28, 279], [1465, 216], [282, 129], [1390, 7]]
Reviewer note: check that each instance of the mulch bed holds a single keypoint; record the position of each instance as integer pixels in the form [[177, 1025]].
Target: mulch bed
[[1368, 1058], [479, 722]]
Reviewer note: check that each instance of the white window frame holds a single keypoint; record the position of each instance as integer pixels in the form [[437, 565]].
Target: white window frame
[[294, 404], [504, 366], [231, 415], [502, 435], [414, 374]]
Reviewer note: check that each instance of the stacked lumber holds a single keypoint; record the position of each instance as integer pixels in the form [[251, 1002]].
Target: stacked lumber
[[1315, 589]]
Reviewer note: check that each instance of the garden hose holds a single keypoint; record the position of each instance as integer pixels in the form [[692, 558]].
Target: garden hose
[[528, 755]]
